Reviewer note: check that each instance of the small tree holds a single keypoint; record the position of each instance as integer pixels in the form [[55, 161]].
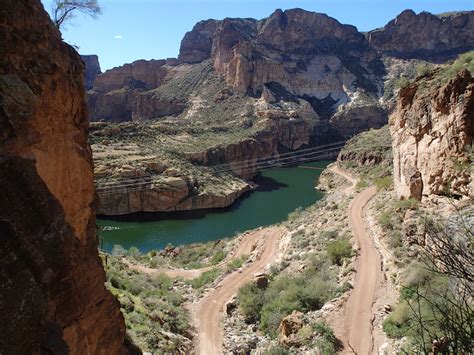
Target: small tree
[[64, 10]]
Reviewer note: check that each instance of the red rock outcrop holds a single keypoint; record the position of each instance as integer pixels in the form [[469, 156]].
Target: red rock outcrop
[[431, 130], [424, 35], [52, 293]]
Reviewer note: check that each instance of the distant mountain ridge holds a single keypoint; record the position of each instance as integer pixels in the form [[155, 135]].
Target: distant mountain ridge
[[292, 60]]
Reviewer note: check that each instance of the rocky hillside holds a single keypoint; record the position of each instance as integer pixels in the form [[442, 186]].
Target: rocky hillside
[[432, 133], [291, 59], [242, 89], [293, 56], [426, 36], [52, 297]]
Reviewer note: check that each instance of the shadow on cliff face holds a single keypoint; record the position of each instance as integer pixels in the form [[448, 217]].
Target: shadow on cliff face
[[264, 184]]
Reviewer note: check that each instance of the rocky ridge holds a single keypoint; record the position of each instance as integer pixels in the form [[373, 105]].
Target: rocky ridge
[[426, 36], [53, 297]]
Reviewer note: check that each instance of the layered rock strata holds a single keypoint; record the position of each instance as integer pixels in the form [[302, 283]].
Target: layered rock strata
[[432, 134], [52, 293]]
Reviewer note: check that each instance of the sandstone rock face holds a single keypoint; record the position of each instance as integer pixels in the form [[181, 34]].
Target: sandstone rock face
[[291, 56], [170, 194], [92, 69], [300, 50], [196, 45], [431, 130], [53, 297], [351, 120], [241, 158], [139, 74], [123, 93], [425, 35]]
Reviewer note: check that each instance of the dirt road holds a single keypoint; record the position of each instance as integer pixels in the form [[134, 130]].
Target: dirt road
[[358, 313], [209, 309]]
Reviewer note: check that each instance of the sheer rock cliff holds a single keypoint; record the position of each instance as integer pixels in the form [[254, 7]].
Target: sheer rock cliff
[[52, 293], [432, 132]]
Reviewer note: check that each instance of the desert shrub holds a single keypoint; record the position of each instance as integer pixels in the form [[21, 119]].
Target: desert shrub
[[385, 220], [327, 343], [401, 82], [329, 234], [306, 292], [405, 204], [277, 350], [133, 252], [236, 263], [119, 250], [250, 299], [218, 257], [339, 250], [196, 256], [383, 183], [205, 278], [396, 325], [150, 307]]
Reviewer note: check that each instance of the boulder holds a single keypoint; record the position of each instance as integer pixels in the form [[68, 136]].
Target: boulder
[[289, 327], [261, 280]]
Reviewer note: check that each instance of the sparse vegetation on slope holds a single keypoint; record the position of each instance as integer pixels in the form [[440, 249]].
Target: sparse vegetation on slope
[[153, 308], [435, 312], [369, 156]]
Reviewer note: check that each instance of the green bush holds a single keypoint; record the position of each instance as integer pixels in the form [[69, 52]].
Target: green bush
[[396, 325], [218, 257], [406, 204], [251, 300], [205, 278], [150, 307], [339, 250], [384, 183], [385, 220], [236, 263], [305, 292], [276, 350]]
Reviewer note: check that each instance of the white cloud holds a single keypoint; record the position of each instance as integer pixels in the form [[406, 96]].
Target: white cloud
[[118, 36]]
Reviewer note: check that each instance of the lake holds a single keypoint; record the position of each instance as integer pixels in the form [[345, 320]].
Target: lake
[[280, 191]]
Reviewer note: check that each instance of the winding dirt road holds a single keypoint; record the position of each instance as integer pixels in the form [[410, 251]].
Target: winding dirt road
[[209, 309], [358, 312]]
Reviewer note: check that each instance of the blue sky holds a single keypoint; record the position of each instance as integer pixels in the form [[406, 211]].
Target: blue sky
[[152, 29]]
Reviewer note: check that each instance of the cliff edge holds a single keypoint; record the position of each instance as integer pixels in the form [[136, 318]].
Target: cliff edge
[[52, 293]]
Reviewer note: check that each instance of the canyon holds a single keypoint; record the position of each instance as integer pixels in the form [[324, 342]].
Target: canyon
[[190, 133], [294, 80]]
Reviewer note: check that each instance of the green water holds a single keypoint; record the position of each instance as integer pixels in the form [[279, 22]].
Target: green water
[[281, 191]]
